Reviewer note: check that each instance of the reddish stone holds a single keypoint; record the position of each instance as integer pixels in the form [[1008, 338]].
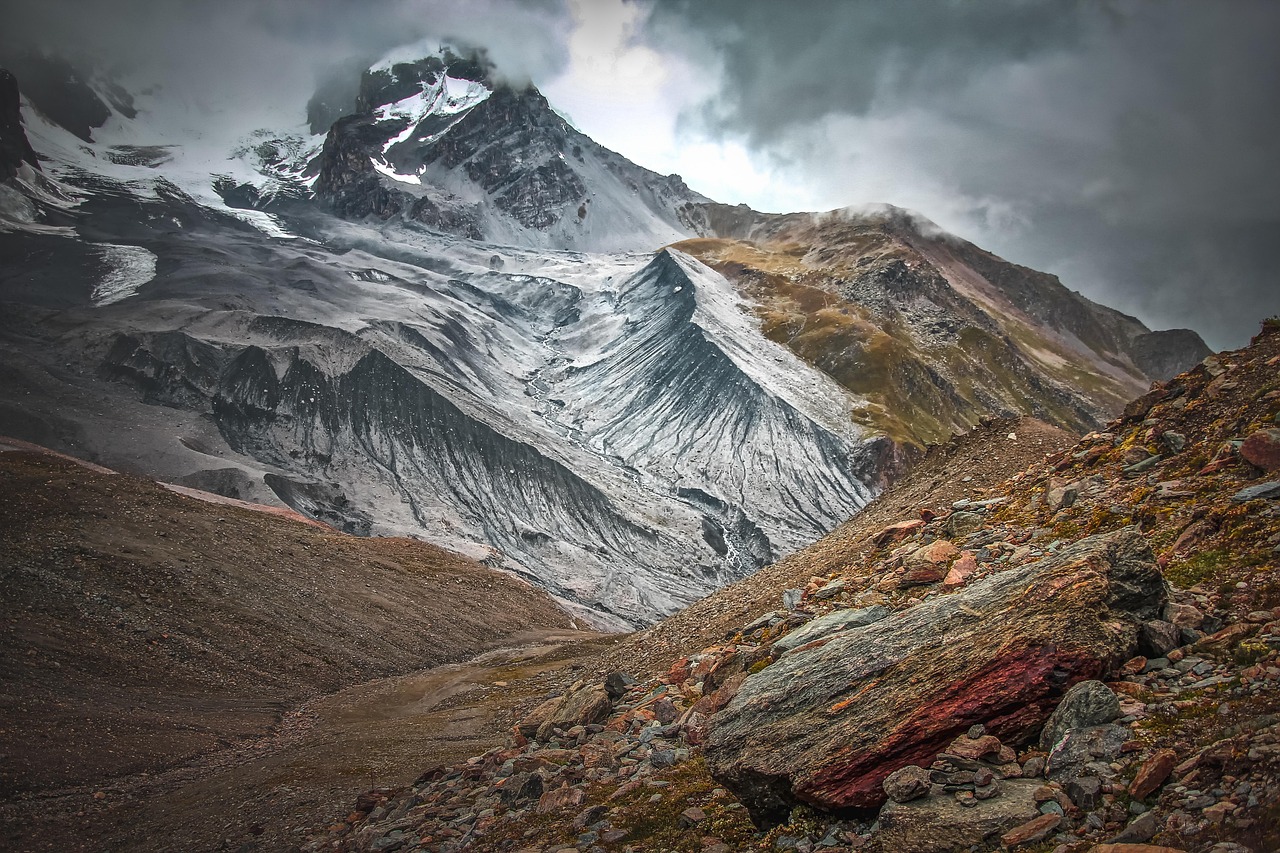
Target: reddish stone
[[1031, 831], [895, 533], [561, 798], [679, 672], [1134, 666], [921, 575], [832, 722], [961, 570], [935, 553], [1263, 449], [1152, 774], [1133, 848], [974, 748]]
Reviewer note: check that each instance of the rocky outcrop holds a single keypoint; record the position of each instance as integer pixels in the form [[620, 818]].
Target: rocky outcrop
[[1164, 354], [14, 147], [826, 724], [439, 141]]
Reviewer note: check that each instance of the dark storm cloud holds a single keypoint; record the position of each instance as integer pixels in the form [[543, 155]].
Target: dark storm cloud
[[268, 54], [1130, 147]]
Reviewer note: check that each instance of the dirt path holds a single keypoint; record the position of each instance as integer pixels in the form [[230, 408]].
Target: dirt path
[[269, 793]]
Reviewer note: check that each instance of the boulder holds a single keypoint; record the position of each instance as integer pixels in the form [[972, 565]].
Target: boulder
[[1079, 748], [907, 784], [1089, 703], [832, 623], [582, 707], [827, 723], [943, 825], [1158, 638], [1262, 449]]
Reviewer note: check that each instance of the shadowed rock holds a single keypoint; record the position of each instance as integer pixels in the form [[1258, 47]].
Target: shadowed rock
[[827, 724]]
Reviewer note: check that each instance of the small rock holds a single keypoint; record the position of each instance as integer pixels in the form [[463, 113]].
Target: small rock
[[1157, 638], [617, 684], [1140, 829], [895, 533], [907, 784], [1089, 703], [1085, 792], [692, 816], [1173, 441], [1262, 449], [831, 590], [1152, 774], [790, 599], [1032, 831], [960, 572], [1262, 490]]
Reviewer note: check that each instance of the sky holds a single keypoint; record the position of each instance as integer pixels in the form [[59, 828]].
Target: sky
[[1127, 147]]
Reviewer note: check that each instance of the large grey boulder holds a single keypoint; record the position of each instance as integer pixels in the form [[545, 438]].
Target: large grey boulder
[[827, 723], [1089, 703]]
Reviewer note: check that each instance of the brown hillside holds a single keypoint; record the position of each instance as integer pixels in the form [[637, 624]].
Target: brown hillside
[[142, 629]]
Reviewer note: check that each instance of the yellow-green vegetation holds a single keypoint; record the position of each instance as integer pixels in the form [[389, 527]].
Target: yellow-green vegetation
[[917, 393]]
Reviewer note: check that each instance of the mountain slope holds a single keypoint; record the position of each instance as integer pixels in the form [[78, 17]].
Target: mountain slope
[[397, 328], [933, 331], [1143, 710], [144, 627]]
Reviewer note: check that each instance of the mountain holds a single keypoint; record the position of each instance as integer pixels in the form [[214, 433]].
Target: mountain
[[1025, 643], [931, 331], [452, 315], [486, 160]]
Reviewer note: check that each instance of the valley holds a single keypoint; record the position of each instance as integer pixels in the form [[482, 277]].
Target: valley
[[426, 476]]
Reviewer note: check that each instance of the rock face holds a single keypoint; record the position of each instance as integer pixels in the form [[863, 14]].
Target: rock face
[[1164, 354], [14, 147], [439, 142], [834, 622], [826, 725]]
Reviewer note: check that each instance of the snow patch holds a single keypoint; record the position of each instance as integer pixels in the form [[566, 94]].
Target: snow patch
[[128, 269], [393, 174]]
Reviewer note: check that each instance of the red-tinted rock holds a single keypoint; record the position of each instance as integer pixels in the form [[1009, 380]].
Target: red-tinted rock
[[1152, 774], [961, 570], [561, 798], [895, 533], [938, 553], [1263, 449], [1032, 831], [921, 575], [826, 724], [974, 748]]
